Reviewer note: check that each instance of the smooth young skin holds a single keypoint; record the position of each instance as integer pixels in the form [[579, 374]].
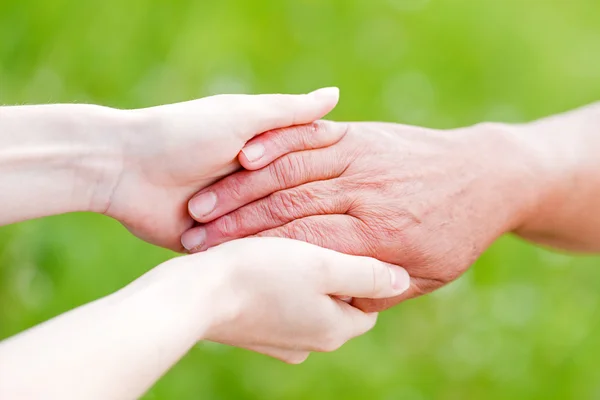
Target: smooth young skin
[[431, 201], [138, 166], [269, 295]]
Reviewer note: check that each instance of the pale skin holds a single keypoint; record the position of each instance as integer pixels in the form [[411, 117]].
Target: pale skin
[[276, 296], [137, 166], [431, 201]]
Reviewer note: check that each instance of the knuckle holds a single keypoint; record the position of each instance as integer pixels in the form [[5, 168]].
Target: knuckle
[[300, 137], [324, 133], [286, 204], [329, 343], [313, 134], [279, 171], [358, 239], [228, 225], [234, 187], [344, 129], [399, 230], [282, 206], [302, 230], [271, 212], [285, 139], [286, 169]]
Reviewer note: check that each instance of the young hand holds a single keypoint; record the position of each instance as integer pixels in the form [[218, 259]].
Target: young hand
[[172, 151], [281, 297]]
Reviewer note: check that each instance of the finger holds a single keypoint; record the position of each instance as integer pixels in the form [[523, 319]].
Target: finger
[[347, 275], [271, 145], [264, 112], [245, 187], [341, 233], [362, 322], [418, 287], [364, 277], [287, 356], [275, 210], [346, 323]]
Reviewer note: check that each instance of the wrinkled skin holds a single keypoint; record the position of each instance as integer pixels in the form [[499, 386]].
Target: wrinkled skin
[[170, 152], [430, 201]]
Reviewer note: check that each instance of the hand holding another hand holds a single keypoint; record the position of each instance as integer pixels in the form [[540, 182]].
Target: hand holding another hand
[[430, 201], [170, 152], [279, 296], [274, 296]]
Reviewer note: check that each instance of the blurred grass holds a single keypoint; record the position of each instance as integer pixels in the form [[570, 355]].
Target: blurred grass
[[524, 323]]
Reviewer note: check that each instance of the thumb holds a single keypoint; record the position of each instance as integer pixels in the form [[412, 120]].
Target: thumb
[[264, 112], [366, 277]]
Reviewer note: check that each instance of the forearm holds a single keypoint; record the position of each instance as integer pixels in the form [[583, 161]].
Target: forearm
[[56, 159], [113, 348], [567, 213]]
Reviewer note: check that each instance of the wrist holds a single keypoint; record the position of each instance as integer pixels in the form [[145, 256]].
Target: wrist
[[138, 146], [101, 135], [518, 176], [67, 155], [184, 294], [208, 279], [567, 156], [82, 151]]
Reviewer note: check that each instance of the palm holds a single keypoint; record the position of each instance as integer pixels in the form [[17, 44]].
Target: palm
[[188, 146]]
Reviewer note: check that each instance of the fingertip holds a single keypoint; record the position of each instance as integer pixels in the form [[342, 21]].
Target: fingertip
[[193, 239], [269, 146], [244, 162], [265, 112], [399, 278], [251, 165], [254, 151], [328, 96], [202, 205]]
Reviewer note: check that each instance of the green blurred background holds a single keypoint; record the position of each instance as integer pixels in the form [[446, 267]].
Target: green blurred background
[[523, 323]]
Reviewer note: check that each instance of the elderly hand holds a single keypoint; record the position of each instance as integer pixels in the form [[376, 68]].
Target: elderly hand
[[170, 152], [430, 201]]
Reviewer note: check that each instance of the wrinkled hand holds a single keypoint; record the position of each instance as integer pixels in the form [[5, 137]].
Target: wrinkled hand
[[430, 201], [280, 297], [172, 151]]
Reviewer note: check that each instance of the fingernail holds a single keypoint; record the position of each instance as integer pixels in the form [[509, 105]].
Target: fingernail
[[400, 278], [203, 204], [193, 239], [254, 152], [326, 93]]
